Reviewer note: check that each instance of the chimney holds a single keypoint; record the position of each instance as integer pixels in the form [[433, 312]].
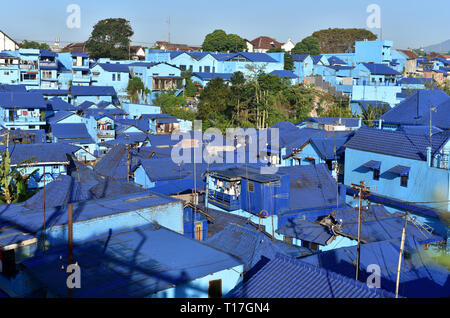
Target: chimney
[[429, 159]]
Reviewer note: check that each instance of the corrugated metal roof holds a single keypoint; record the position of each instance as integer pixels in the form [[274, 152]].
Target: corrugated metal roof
[[380, 69], [130, 264], [93, 91], [22, 100], [285, 277], [249, 245], [42, 153], [419, 276], [70, 131]]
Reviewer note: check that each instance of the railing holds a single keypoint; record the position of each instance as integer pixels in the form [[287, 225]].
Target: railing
[[106, 134], [442, 160]]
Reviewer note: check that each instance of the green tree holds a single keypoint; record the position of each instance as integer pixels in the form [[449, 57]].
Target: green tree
[[288, 60], [372, 113], [189, 89], [136, 87], [34, 45], [220, 41], [339, 40], [110, 38], [13, 184], [309, 45], [172, 105]]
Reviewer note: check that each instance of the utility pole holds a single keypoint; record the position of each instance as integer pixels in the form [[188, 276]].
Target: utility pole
[[402, 245], [70, 239], [363, 193]]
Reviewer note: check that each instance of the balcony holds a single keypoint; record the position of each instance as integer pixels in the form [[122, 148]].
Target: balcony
[[106, 133], [224, 201]]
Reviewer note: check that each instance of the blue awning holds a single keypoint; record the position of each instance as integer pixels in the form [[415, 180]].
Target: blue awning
[[372, 164], [399, 170]]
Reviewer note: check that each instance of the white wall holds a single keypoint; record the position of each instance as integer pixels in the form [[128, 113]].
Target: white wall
[[6, 43]]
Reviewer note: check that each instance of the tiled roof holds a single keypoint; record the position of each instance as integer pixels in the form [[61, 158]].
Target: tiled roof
[[396, 143], [266, 43]]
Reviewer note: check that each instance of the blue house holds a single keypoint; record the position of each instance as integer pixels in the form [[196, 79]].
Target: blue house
[[111, 74], [402, 166], [204, 78], [420, 109], [49, 69], [9, 68], [303, 66], [180, 267], [420, 276], [80, 69], [22, 110], [29, 68], [271, 200], [94, 94], [50, 161], [75, 134]]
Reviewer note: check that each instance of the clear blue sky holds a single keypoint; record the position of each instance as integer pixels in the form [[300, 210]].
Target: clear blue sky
[[406, 22]]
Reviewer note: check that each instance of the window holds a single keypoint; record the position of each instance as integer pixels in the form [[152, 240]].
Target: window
[[118, 76], [200, 69], [183, 67], [251, 187], [56, 167], [207, 69], [305, 244], [114, 77], [314, 246], [287, 239], [215, 289], [376, 174], [404, 181]]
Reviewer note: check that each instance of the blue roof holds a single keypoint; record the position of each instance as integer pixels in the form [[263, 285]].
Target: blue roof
[[316, 58], [43, 153], [380, 69], [335, 60], [22, 100], [57, 104], [130, 264], [311, 187], [60, 115], [411, 81], [396, 143], [210, 76], [284, 73], [114, 163], [115, 67], [299, 57], [47, 53], [51, 92], [307, 231], [71, 131], [285, 277], [419, 276], [79, 54], [250, 245], [415, 110], [93, 91], [379, 225], [13, 88]]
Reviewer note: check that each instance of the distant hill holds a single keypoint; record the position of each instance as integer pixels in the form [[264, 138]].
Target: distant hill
[[443, 47]]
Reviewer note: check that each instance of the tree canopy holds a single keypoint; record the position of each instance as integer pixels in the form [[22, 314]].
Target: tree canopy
[[309, 45], [110, 38], [339, 40], [34, 45], [220, 41], [288, 60]]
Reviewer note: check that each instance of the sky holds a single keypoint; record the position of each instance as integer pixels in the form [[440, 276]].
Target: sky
[[403, 21]]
